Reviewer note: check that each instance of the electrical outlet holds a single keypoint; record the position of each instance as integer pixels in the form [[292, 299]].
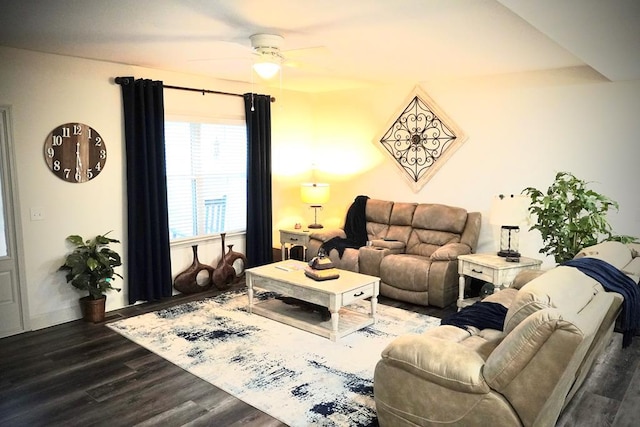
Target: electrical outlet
[[37, 214]]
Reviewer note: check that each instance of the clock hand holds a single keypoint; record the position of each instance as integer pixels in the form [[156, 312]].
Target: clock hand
[[78, 161]]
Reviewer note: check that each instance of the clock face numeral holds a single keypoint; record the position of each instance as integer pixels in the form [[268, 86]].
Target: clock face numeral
[[75, 152]]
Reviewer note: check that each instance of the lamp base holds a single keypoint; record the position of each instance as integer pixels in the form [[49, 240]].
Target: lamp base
[[509, 253], [315, 226]]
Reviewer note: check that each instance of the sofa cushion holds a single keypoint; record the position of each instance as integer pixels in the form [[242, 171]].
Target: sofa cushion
[[400, 222], [440, 217], [402, 213], [457, 367], [564, 288], [615, 253], [426, 242], [396, 245], [435, 225], [378, 211], [633, 269], [407, 272]]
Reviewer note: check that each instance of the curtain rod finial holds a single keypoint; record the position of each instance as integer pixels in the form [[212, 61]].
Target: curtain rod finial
[[123, 80]]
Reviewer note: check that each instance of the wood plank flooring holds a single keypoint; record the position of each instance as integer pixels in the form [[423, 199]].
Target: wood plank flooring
[[84, 374]]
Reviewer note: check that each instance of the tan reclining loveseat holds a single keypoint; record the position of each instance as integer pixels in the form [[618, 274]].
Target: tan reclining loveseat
[[414, 249], [556, 325]]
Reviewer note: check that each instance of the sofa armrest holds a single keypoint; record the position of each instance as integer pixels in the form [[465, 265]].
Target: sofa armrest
[[440, 361], [450, 252], [324, 235], [524, 277], [394, 246], [317, 238], [369, 258]]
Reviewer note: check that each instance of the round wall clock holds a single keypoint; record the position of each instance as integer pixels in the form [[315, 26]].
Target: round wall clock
[[75, 152]]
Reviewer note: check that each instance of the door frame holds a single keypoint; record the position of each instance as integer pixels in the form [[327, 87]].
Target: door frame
[[13, 224]]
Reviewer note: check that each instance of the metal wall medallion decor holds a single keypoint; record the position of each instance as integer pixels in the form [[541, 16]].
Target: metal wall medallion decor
[[421, 139]]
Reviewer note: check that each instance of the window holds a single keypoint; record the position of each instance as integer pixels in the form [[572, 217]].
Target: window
[[206, 178]]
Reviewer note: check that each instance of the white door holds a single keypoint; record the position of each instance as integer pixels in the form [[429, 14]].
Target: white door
[[13, 304]]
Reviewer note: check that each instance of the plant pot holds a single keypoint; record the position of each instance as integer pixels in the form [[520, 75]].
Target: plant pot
[[93, 309]]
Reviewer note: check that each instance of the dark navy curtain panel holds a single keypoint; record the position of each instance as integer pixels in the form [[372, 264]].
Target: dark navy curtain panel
[[148, 258], [259, 217]]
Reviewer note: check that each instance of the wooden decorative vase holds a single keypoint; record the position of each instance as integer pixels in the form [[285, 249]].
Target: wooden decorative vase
[[225, 274], [191, 280], [231, 258]]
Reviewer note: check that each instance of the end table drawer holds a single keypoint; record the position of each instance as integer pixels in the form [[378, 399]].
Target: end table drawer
[[357, 294], [295, 239], [477, 271]]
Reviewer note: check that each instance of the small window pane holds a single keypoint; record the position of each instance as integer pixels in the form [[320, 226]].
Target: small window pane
[[206, 178]]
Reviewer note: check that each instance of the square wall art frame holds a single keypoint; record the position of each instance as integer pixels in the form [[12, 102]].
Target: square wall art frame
[[420, 138]]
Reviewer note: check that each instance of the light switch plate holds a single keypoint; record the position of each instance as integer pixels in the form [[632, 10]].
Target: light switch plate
[[37, 214]]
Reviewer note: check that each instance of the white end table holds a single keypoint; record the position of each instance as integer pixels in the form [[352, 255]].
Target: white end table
[[490, 268], [291, 238]]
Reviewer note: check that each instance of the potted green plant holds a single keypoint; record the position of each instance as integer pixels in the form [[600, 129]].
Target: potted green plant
[[571, 216], [90, 267]]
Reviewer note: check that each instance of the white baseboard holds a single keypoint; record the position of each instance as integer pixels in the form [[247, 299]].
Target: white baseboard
[[55, 318]]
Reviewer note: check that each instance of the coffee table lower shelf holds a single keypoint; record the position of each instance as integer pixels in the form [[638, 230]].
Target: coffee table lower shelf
[[292, 315]]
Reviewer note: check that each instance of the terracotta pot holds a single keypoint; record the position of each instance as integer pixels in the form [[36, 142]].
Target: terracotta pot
[[93, 309]]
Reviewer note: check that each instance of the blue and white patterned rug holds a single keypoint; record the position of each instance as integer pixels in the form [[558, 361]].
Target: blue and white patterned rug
[[297, 377]]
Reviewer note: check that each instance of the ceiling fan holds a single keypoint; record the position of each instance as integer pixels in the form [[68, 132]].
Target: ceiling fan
[[269, 57]]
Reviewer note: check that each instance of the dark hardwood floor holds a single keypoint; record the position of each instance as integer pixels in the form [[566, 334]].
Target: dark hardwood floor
[[84, 374]]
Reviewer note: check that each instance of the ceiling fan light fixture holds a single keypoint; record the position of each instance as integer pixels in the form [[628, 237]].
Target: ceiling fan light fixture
[[267, 47], [267, 67]]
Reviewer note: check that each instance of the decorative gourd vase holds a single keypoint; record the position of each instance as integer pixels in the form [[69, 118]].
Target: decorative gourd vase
[[224, 274], [191, 280], [231, 258]]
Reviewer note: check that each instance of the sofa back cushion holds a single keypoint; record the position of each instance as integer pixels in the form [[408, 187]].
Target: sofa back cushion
[[563, 288], [400, 221], [615, 253], [378, 215], [433, 226]]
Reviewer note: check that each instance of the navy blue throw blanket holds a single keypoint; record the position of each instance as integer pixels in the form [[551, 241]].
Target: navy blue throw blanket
[[482, 315], [355, 228], [614, 280]]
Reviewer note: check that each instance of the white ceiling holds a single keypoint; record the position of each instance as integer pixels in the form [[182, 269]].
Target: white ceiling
[[356, 42]]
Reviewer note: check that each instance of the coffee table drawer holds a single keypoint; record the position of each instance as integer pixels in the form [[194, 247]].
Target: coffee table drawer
[[357, 294]]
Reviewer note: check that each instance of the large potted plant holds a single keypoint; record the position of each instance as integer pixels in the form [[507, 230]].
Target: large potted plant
[[570, 216], [90, 267]]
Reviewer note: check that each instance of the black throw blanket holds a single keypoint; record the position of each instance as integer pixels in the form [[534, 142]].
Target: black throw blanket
[[482, 315], [615, 280], [355, 228]]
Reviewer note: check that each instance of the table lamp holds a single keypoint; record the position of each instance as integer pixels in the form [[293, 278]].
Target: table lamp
[[509, 212], [314, 194]]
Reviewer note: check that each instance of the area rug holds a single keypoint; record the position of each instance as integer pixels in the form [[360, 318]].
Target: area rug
[[297, 377]]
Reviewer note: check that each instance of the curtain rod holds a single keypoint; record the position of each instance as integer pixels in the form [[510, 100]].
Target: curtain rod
[[125, 81]]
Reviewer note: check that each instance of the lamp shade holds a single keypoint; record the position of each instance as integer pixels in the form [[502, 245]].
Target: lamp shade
[[509, 210], [314, 193], [266, 68]]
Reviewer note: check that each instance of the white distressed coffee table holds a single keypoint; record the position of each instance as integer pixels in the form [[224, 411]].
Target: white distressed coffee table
[[287, 279]]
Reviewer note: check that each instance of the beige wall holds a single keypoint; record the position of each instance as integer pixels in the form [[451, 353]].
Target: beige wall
[[521, 130], [45, 91]]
